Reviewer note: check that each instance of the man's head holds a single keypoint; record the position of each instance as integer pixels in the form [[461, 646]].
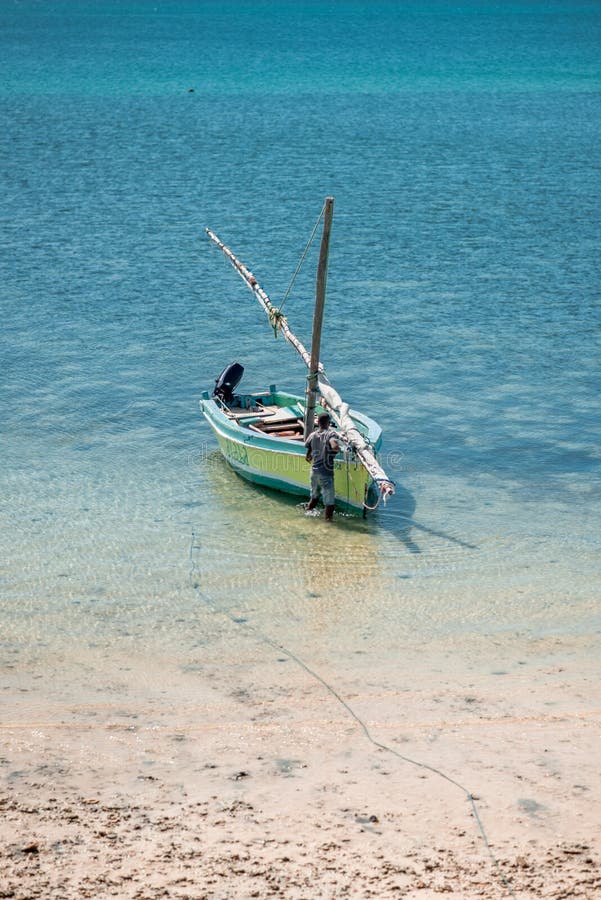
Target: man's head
[[323, 420]]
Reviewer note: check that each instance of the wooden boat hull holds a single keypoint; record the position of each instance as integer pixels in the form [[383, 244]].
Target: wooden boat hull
[[279, 462]]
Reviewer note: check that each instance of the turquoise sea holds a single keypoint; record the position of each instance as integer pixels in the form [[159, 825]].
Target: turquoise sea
[[461, 143]]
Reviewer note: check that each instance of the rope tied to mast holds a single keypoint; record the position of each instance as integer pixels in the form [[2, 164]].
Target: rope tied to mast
[[302, 259]]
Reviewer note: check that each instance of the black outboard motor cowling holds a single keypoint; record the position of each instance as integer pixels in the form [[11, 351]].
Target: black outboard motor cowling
[[228, 381]]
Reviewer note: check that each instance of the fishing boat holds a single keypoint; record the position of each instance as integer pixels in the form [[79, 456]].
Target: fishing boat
[[261, 433]]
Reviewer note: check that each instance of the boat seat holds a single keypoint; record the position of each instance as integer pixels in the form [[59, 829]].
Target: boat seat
[[275, 423], [283, 428], [249, 414], [281, 413], [275, 413]]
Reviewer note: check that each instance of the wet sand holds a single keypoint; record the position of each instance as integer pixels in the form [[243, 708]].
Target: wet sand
[[256, 780]]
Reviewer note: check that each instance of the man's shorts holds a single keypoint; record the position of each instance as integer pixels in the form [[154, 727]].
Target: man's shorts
[[322, 483]]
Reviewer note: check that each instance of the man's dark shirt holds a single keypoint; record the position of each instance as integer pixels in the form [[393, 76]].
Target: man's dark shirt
[[322, 454]]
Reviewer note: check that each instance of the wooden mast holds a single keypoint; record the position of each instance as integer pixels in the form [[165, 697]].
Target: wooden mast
[[320, 299]]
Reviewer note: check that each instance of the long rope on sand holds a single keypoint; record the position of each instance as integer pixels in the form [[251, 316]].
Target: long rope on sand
[[195, 577]]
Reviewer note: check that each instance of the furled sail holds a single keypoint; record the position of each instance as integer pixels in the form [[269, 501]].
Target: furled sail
[[331, 399]]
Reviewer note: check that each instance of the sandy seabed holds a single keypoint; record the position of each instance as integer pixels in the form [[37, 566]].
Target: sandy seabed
[[420, 779]]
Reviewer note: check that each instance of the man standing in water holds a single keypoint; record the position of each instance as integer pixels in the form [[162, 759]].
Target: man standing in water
[[322, 446]]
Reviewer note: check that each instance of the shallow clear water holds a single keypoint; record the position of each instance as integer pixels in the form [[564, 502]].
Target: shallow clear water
[[461, 146]]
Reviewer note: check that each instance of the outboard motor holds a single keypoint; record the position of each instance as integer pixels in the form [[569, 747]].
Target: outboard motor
[[228, 381]]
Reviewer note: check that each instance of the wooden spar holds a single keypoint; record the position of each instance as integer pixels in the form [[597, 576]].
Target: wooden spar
[[275, 317], [280, 323], [320, 299]]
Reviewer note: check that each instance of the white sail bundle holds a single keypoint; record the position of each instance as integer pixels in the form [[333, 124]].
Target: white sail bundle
[[339, 410], [352, 436]]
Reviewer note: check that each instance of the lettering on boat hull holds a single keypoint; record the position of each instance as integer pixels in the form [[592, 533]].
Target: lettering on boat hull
[[234, 451]]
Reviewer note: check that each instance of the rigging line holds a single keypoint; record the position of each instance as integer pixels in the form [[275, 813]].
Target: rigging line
[[195, 583], [302, 259]]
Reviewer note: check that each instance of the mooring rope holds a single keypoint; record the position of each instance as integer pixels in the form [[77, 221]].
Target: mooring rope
[[195, 576]]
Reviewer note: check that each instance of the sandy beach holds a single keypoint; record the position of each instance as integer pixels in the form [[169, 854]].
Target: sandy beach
[[272, 780], [206, 693]]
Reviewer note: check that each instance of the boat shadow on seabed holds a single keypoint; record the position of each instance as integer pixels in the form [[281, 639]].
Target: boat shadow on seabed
[[399, 520]]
